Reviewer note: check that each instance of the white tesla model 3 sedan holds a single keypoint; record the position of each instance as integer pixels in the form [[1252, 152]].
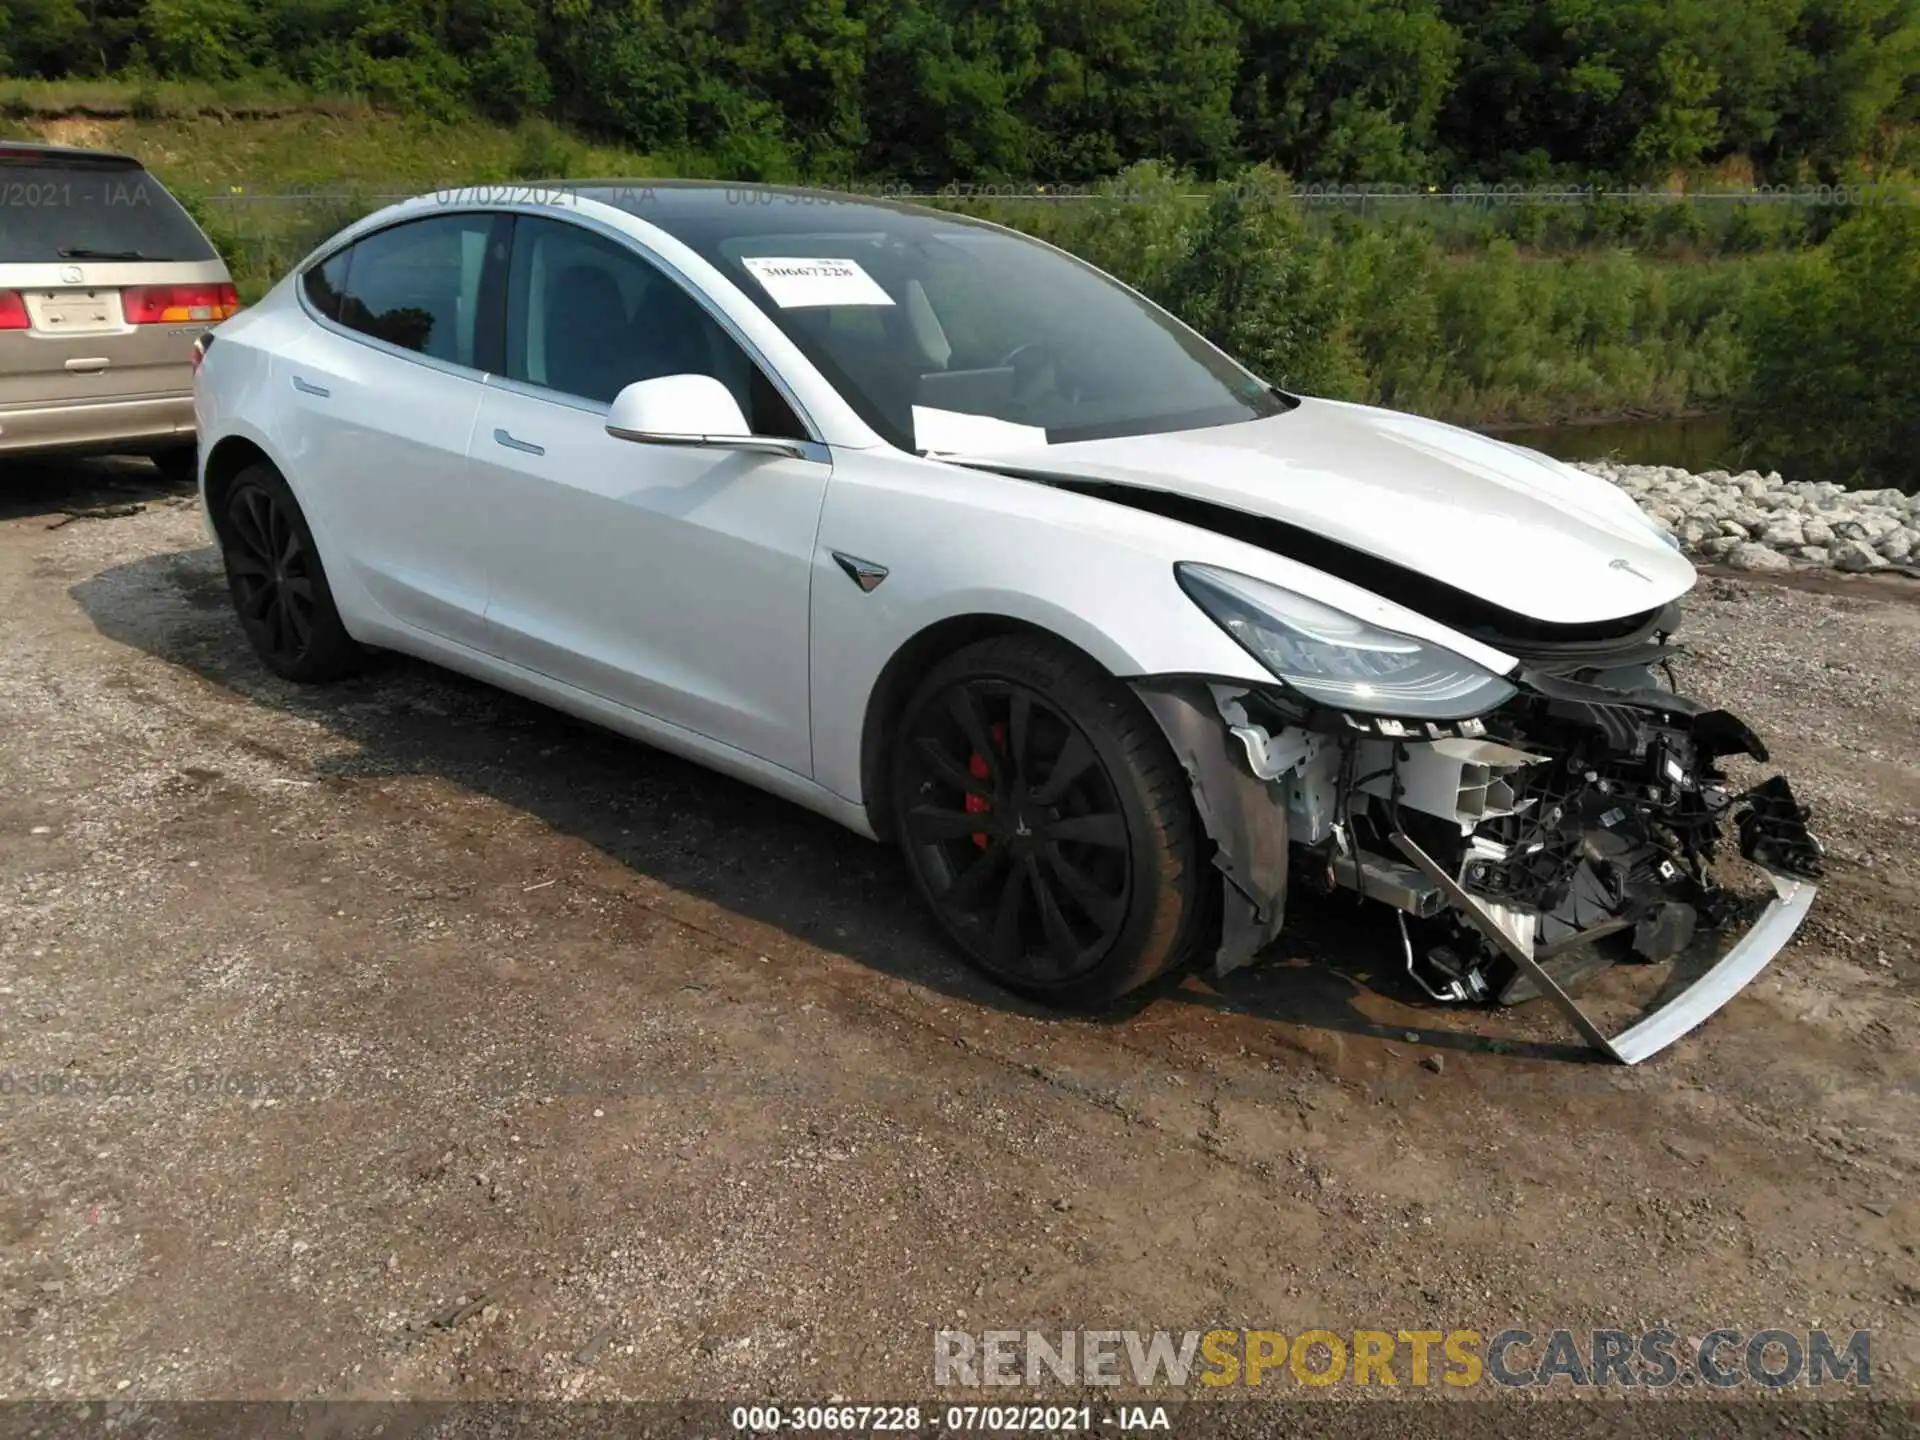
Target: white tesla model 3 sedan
[[944, 534]]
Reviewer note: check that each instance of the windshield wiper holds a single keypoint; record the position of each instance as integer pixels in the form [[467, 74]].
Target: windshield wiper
[[80, 252]]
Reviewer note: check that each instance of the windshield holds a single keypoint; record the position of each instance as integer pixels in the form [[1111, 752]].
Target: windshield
[[54, 209], [948, 335]]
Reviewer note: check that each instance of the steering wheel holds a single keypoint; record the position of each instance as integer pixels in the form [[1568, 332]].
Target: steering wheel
[[1036, 367]]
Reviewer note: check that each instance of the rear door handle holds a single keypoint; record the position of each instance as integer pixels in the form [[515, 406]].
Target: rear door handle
[[88, 364], [501, 437], [306, 387]]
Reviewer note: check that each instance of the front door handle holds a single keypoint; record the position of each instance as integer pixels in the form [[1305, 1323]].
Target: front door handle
[[501, 437], [306, 387]]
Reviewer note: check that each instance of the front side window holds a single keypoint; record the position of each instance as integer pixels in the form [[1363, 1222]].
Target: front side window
[[417, 285], [588, 316]]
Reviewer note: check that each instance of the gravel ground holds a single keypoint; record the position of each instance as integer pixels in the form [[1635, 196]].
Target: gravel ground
[[413, 1041], [1765, 522]]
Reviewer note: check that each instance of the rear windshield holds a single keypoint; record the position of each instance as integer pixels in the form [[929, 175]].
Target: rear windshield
[[59, 209]]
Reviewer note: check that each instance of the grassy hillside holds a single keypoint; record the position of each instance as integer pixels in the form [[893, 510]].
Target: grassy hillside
[[202, 141]]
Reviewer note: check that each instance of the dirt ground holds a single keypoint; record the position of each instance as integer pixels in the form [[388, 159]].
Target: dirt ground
[[424, 1043]]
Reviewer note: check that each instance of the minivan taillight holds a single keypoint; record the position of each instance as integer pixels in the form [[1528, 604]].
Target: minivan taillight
[[178, 304], [13, 311]]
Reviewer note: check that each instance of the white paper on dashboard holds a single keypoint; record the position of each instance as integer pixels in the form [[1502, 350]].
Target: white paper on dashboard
[[953, 432], [798, 282]]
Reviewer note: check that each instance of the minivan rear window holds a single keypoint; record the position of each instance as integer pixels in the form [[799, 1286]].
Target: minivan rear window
[[55, 209]]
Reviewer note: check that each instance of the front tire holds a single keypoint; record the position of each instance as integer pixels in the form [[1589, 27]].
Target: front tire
[[1047, 823], [278, 584]]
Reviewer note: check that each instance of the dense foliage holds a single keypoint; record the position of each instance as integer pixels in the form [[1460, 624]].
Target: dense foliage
[[1835, 346], [1382, 312], [1816, 349], [935, 90]]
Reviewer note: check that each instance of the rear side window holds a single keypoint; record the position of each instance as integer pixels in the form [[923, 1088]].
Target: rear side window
[[416, 285], [324, 282], [56, 209]]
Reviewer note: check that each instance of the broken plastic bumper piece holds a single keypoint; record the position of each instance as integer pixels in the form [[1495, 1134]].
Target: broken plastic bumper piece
[[1749, 955]]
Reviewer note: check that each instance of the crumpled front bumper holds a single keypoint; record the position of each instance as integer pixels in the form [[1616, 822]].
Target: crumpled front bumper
[[1731, 974], [1240, 774], [1750, 954]]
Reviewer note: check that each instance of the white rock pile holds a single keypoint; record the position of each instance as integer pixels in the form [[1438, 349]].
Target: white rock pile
[[1762, 522]]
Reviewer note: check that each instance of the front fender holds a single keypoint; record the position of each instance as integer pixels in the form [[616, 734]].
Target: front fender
[[959, 544]]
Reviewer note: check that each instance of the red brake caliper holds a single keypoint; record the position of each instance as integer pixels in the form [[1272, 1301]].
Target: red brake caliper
[[977, 767]]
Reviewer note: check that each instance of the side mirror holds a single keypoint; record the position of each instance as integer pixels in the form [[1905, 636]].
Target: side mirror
[[691, 410]]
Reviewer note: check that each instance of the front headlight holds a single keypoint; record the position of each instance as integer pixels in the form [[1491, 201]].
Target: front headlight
[[1335, 660]]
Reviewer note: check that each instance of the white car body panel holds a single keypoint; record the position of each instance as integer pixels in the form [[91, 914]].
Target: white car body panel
[[1519, 530], [672, 581], [961, 542], [398, 501], [636, 725]]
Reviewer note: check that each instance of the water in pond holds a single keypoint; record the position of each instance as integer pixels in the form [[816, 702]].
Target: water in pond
[[1693, 442]]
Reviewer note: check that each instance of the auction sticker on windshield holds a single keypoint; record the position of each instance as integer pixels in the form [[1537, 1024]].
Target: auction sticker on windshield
[[798, 282]]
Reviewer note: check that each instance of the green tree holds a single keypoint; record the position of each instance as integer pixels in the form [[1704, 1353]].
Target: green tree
[[1343, 89], [1681, 124], [47, 37], [500, 43], [397, 53], [1125, 80], [1834, 340], [1854, 66], [1605, 87], [1250, 282], [941, 85], [1749, 47], [203, 39], [774, 86], [619, 66], [309, 38]]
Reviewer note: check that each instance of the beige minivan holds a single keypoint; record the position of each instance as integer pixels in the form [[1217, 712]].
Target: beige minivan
[[105, 284]]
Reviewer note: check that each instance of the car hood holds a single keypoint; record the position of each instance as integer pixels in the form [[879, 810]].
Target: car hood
[[1511, 526]]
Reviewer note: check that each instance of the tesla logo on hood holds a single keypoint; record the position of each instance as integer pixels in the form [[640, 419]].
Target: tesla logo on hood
[[1627, 565]]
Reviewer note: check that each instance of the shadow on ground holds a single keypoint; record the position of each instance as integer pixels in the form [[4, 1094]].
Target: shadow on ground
[[718, 839], [100, 487]]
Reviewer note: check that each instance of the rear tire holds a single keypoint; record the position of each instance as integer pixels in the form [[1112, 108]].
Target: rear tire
[[1047, 823], [278, 584]]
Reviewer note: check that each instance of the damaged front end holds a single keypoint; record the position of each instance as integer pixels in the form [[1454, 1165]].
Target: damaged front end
[[1571, 826]]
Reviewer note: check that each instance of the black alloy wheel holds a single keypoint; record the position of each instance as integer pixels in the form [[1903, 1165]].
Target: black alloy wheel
[[279, 588], [1046, 822], [271, 574]]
